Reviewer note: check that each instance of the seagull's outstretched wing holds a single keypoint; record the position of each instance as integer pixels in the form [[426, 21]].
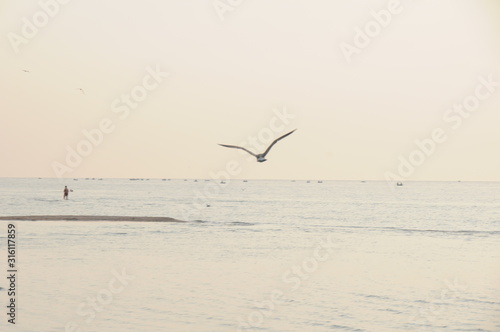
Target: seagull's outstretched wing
[[238, 147], [276, 140]]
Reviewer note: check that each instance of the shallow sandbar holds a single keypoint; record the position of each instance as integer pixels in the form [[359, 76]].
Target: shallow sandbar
[[89, 218]]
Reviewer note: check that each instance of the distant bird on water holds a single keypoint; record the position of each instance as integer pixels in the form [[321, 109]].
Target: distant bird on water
[[262, 156]]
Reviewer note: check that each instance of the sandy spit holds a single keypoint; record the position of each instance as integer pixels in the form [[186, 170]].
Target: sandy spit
[[89, 218]]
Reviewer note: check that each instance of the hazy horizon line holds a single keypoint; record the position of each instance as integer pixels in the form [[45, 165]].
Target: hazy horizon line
[[238, 179]]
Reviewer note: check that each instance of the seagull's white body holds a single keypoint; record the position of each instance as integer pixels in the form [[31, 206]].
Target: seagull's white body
[[261, 157]]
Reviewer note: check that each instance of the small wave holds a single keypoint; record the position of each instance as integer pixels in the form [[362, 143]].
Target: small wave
[[232, 223], [70, 234], [46, 200], [480, 301], [428, 231], [345, 328], [375, 296], [458, 232], [241, 223]]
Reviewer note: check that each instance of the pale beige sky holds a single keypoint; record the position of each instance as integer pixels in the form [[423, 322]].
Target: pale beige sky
[[228, 77]]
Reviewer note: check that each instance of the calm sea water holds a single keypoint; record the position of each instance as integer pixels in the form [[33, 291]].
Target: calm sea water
[[255, 256]]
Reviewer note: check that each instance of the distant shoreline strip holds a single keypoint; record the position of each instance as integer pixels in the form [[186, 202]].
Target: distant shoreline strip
[[89, 218]]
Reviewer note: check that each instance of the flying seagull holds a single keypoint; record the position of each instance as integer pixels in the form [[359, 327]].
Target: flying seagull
[[81, 90], [26, 71], [262, 156]]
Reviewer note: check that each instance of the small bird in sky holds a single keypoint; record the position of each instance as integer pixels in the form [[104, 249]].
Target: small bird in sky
[[262, 156], [26, 71], [81, 90]]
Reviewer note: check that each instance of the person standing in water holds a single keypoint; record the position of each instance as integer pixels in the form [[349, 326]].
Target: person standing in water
[[66, 192]]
